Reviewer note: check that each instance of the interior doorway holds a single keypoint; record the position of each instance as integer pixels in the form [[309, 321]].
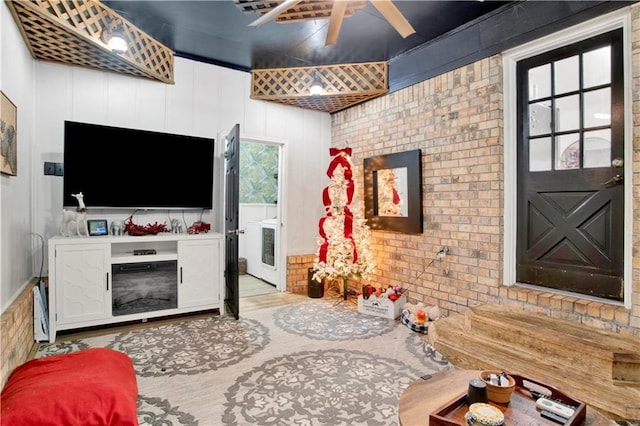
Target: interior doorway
[[260, 215]]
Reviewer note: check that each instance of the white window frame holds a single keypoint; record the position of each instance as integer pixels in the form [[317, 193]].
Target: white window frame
[[618, 19]]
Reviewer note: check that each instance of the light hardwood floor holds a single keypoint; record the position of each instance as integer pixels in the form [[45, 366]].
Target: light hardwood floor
[[251, 286]]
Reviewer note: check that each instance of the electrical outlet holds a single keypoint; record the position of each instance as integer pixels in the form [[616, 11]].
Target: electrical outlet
[[49, 168], [442, 253], [59, 169]]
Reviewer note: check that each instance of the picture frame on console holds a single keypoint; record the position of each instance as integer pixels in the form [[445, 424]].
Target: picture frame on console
[[393, 192]]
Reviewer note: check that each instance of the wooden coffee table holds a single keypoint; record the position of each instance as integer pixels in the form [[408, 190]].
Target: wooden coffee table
[[424, 396]]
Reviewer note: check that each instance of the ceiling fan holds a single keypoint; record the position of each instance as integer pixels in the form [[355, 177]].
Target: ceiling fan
[[336, 11]]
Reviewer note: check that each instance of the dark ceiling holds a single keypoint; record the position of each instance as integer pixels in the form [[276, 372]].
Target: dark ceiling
[[218, 32]]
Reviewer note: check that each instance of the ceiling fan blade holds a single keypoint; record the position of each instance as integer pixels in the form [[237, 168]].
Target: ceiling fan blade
[[395, 18], [273, 13], [337, 15]]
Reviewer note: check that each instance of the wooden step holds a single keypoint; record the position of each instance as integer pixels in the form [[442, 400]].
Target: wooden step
[[608, 355], [491, 337]]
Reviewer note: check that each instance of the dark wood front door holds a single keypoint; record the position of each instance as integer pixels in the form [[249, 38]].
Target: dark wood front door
[[231, 219], [571, 168]]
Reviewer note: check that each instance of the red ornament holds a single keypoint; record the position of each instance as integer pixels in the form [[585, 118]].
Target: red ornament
[[137, 230]]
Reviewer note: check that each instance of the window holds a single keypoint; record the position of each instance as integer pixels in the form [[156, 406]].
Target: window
[[568, 102]]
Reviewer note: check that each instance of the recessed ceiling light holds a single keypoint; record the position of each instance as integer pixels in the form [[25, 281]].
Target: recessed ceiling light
[[316, 86], [113, 34]]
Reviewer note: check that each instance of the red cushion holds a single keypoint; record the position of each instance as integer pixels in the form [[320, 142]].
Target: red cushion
[[90, 387]]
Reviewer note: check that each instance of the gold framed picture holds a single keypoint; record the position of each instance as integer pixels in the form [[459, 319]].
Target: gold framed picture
[[8, 136]]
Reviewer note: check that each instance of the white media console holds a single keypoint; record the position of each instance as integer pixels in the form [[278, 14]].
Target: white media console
[[99, 280]]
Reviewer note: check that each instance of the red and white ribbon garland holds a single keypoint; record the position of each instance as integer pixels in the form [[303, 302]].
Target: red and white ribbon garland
[[340, 159]]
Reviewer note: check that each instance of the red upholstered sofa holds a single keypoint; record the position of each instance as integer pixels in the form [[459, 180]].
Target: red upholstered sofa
[[90, 387]]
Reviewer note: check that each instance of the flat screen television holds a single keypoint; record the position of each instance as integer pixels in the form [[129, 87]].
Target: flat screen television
[[136, 169]]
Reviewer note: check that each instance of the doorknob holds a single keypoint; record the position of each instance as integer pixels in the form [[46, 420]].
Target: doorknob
[[617, 162], [235, 231], [613, 181]]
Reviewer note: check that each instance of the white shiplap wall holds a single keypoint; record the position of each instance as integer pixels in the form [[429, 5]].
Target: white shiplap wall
[[19, 248], [206, 100]]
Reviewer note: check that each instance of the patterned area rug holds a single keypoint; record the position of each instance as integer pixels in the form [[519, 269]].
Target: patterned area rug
[[311, 363]]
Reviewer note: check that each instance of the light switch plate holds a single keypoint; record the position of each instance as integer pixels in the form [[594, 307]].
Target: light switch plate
[[49, 168]]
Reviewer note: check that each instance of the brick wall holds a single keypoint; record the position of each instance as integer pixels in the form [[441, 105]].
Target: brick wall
[[16, 333], [297, 273], [455, 119]]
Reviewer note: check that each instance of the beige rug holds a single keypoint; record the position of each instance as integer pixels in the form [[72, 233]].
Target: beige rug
[[312, 363]]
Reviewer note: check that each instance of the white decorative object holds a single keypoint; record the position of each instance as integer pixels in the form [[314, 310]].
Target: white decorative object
[[434, 313], [381, 306], [80, 197], [40, 320], [117, 227], [176, 226], [77, 218]]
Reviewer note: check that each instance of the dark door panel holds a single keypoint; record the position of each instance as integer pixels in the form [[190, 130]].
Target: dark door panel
[[571, 212], [232, 199]]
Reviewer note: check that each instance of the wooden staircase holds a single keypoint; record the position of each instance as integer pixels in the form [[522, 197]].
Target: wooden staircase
[[599, 368]]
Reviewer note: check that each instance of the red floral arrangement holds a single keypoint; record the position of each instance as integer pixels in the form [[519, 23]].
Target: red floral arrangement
[[393, 293], [137, 230]]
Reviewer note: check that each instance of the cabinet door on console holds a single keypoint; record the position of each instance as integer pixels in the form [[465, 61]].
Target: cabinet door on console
[[198, 273], [83, 288]]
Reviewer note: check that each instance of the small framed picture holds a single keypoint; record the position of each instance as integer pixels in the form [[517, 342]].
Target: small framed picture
[[97, 227]]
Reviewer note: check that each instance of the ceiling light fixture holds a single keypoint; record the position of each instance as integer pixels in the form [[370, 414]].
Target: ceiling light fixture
[[80, 38], [342, 85], [316, 86], [113, 35]]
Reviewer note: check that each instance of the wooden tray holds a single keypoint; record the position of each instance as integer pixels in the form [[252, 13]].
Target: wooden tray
[[520, 410]]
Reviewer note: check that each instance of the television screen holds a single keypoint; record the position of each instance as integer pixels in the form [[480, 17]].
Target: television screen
[[126, 168]]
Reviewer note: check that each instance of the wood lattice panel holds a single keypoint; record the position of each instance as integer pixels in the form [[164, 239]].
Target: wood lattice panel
[[307, 9], [69, 31], [344, 85]]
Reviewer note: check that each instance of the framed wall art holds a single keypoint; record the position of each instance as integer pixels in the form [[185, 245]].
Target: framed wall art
[[393, 192], [8, 136]]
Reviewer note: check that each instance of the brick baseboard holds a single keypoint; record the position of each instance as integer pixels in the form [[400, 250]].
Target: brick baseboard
[[16, 333], [298, 273]]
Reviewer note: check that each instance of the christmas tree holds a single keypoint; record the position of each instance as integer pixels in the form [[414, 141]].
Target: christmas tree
[[343, 244]]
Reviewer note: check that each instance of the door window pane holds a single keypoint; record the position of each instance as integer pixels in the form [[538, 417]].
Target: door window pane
[[539, 118], [597, 108], [539, 154], [568, 113], [567, 75], [540, 82], [597, 67], [597, 148], [568, 152]]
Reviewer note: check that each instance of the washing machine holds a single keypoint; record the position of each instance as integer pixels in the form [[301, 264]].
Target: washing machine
[[262, 249], [269, 250]]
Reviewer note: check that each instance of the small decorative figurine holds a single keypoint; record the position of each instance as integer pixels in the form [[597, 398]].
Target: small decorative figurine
[[198, 227], [117, 227], [77, 218], [176, 226]]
